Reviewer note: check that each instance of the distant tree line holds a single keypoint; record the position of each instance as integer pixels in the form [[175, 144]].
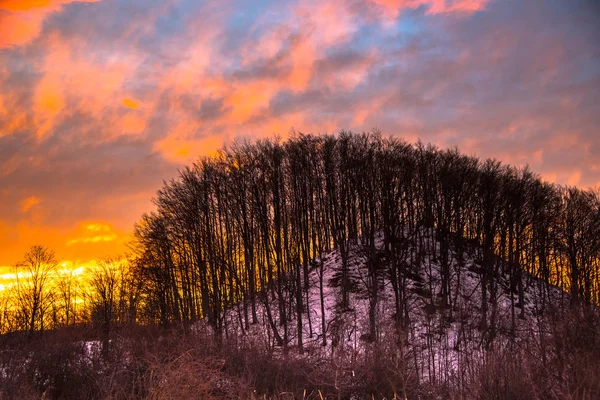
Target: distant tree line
[[46, 295], [245, 227]]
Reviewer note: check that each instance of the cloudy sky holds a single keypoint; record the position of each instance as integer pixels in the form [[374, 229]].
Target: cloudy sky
[[101, 100]]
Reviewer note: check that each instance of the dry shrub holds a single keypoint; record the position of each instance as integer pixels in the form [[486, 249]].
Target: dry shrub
[[572, 354], [33, 365], [386, 371], [268, 374], [167, 366], [504, 375], [562, 362], [189, 377]]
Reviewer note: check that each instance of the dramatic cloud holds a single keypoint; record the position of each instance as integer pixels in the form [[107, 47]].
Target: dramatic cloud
[[102, 100], [21, 20]]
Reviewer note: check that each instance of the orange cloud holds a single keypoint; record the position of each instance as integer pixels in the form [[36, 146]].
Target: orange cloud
[[248, 99], [23, 5], [98, 227], [21, 236], [94, 239], [29, 202], [86, 241], [94, 233], [73, 81], [21, 20], [132, 124], [574, 178], [184, 150], [49, 102], [130, 103]]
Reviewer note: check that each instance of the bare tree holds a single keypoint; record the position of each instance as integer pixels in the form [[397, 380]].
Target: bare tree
[[104, 295], [33, 291]]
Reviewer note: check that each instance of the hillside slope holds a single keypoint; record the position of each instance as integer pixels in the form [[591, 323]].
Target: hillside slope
[[435, 340]]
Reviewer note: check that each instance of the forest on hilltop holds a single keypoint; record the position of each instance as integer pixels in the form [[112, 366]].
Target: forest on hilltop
[[291, 236], [256, 216]]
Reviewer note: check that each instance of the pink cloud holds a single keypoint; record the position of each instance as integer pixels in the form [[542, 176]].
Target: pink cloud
[[393, 7]]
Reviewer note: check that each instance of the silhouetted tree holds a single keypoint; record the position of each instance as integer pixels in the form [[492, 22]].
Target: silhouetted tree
[[32, 290]]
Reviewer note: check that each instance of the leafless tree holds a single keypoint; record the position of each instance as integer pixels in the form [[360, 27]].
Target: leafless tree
[[33, 287]]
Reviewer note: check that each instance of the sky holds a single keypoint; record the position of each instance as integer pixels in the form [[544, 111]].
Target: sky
[[102, 100]]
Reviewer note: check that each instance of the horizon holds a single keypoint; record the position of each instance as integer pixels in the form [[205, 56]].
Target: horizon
[[100, 101]]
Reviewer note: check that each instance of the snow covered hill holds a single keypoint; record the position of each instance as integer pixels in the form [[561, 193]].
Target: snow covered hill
[[436, 340]]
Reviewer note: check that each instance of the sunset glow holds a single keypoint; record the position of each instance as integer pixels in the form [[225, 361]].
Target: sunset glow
[[102, 100]]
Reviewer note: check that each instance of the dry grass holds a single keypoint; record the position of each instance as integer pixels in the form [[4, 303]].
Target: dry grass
[[564, 363]]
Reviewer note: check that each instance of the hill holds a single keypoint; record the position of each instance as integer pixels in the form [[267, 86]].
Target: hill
[[347, 266], [431, 345]]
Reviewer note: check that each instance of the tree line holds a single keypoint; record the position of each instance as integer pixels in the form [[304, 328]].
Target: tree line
[[244, 229]]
